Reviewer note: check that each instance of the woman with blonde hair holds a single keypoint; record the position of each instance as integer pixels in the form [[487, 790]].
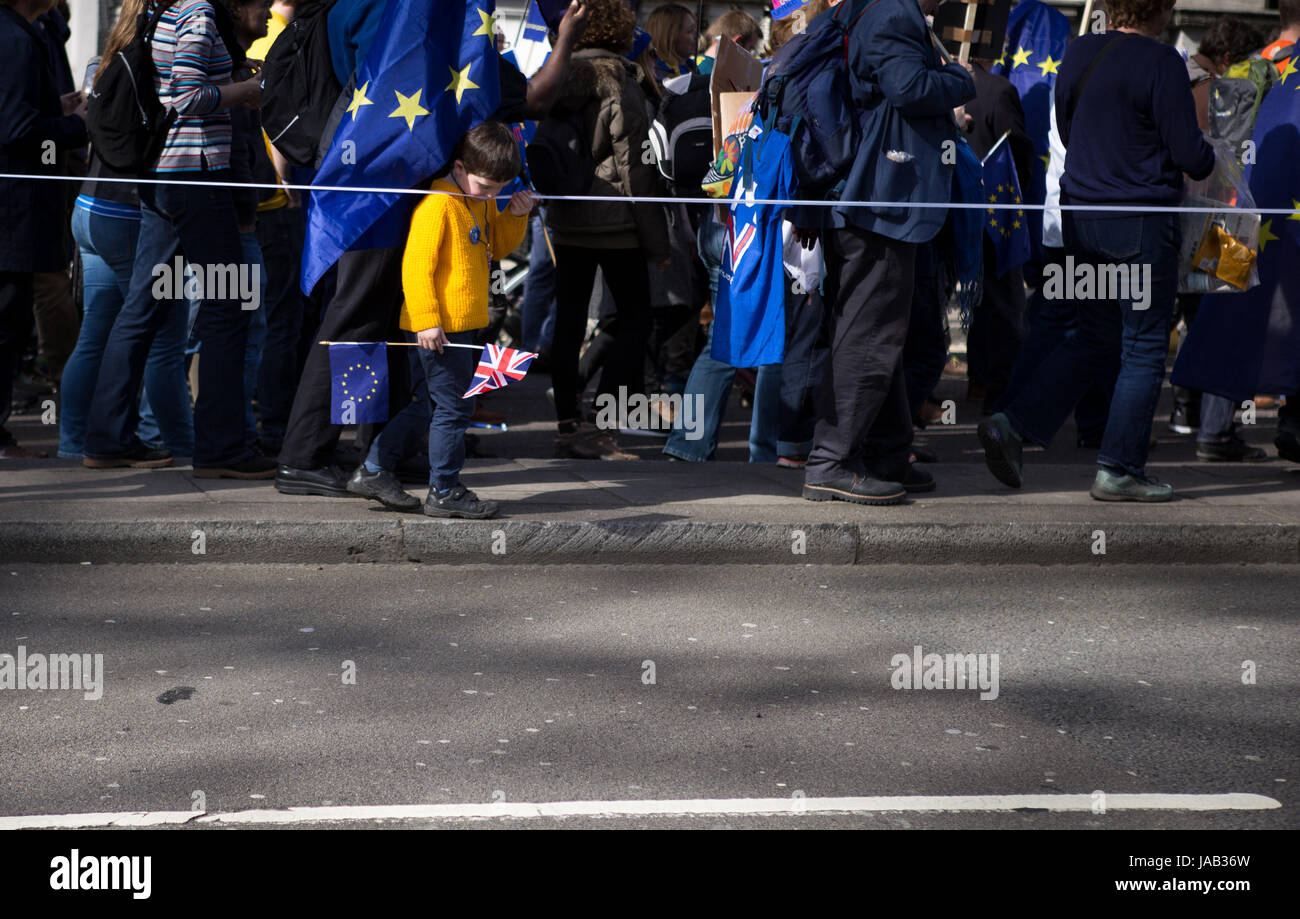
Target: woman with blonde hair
[[673, 35]]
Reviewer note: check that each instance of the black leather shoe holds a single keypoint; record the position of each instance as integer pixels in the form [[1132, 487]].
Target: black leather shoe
[[858, 489], [383, 487], [1288, 446], [326, 481], [257, 467], [916, 481], [922, 455], [138, 457]]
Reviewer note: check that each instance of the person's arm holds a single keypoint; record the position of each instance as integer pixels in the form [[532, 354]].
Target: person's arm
[[544, 87], [507, 232], [428, 229], [1009, 117], [21, 121], [896, 52], [629, 131], [1174, 112]]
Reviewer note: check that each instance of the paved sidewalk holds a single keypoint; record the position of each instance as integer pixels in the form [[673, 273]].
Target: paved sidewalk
[[651, 510]]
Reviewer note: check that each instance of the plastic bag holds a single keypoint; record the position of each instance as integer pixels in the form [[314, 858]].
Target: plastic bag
[[1220, 249]]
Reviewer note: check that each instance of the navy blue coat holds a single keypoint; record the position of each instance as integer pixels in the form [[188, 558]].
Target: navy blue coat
[[905, 95], [33, 213]]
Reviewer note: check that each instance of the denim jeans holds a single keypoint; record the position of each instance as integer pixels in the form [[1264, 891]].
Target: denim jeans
[[107, 246], [1111, 333], [201, 221], [539, 287], [437, 410]]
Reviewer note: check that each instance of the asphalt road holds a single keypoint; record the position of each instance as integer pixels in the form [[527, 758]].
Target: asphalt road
[[533, 684]]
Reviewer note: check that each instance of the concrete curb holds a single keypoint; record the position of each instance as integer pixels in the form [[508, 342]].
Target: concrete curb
[[649, 542]]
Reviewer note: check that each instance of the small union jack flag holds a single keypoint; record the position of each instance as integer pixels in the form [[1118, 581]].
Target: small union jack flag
[[497, 367]]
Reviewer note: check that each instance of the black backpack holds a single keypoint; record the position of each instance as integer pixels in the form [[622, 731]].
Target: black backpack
[[560, 161], [299, 87], [127, 123], [681, 136]]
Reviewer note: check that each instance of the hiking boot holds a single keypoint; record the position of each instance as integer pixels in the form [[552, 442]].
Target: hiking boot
[[589, 442], [459, 502], [858, 489], [1002, 449], [1235, 450], [1111, 486], [383, 486]]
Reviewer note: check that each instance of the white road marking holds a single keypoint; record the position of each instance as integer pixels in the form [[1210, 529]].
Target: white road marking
[[1071, 803]]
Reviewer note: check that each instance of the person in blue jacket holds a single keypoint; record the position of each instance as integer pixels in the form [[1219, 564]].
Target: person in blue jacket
[[37, 128], [905, 91]]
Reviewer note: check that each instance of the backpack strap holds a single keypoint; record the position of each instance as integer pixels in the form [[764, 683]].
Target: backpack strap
[[1281, 53], [1072, 103]]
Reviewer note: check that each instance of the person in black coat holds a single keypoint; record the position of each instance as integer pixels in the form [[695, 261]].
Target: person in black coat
[[37, 126], [997, 326]]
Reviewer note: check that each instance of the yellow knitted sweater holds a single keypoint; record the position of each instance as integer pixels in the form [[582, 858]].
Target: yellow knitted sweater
[[444, 275]]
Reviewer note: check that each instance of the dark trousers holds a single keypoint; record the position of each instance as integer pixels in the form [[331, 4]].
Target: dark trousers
[[863, 423], [200, 222], [801, 372], [365, 307], [926, 351], [997, 326], [280, 234], [575, 272], [16, 319]]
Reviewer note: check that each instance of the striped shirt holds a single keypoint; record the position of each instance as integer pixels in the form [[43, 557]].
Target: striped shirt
[[192, 63]]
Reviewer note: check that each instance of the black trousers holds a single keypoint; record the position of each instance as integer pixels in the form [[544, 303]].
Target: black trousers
[[280, 234], [926, 351], [16, 319], [625, 272], [863, 422], [366, 305], [997, 327]]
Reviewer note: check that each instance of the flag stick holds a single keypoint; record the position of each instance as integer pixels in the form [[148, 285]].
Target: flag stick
[[398, 344], [1087, 14]]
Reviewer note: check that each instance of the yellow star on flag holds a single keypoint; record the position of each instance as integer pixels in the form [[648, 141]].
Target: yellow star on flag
[[1021, 57], [1048, 66], [359, 99], [1295, 204], [993, 198], [488, 26], [409, 107], [1266, 234], [1290, 69], [1001, 61], [460, 82]]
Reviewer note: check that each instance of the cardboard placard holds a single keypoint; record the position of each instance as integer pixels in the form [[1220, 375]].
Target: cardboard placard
[[973, 28], [734, 71]]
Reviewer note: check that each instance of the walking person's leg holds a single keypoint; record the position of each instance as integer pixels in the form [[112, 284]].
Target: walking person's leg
[[16, 321]]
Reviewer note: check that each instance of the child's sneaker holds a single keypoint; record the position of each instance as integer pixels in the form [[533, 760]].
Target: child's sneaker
[[459, 502]]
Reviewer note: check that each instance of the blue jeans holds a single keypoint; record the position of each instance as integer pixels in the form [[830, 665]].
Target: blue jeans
[[201, 221], [539, 288], [438, 409], [159, 408], [107, 246], [1111, 334]]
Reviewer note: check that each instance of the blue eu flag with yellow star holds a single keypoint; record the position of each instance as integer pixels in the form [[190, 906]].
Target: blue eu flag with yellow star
[[1248, 343], [358, 382], [430, 75], [1008, 228], [1036, 38]]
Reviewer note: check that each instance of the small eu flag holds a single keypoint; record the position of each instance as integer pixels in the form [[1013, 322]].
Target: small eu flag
[[1008, 228], [358, 382]]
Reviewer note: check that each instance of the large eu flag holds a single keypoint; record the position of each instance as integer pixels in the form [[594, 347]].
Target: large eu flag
[[430, 76], [1036, 38], [1248, 343], [1008, 228]]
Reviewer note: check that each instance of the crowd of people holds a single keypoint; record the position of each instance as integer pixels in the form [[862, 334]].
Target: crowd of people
[[862, 292]]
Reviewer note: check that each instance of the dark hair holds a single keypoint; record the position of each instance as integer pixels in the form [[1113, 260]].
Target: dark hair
[[1230, 36], [1121, 14], [611, 25], [1289, 11], [491, 151]]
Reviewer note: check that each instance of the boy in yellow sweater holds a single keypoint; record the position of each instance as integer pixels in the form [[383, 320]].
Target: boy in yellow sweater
[[445, 277]]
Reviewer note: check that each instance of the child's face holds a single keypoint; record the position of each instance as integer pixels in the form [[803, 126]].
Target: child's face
[[475, 185]]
